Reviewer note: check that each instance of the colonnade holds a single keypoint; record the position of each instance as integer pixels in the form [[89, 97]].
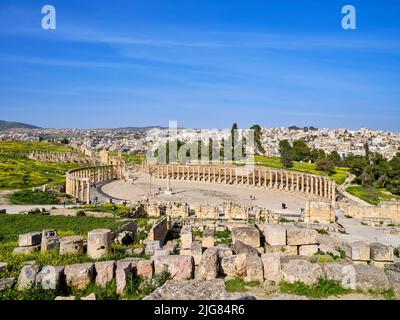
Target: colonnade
[[284, 180], [79, 181]]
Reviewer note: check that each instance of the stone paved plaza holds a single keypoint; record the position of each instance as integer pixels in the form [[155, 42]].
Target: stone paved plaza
[[195, 193]]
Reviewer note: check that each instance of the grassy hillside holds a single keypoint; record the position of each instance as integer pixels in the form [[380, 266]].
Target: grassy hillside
[[371, 195], [18, 172], [275, 162], [6, 125]]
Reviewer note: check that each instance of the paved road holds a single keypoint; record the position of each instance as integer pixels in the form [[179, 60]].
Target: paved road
[[15, 209], [356, 231]]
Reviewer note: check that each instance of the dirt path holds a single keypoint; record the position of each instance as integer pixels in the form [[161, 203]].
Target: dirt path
[[4, 194], [342, 189]]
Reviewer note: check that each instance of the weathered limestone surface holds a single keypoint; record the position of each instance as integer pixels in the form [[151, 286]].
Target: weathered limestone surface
[[99, 243], [27, 276], [196, 251], [91, 296], [59, 298], [29, 239], [71, 245], [301, 236], [272, 267], [341, 271], [50, 277], [284, 250], [308, 250], [6, 283], [151, 247], [294, 269], [124, 238], [319, 211], [234, 266], [105, 271], [358, 251], [145, 268], [159, 231], [247, 235], [26, 250], [254, 269], [380, 252], [275, 234], [240, 247], [208, 240], [186, 237], [209, 265], [195, 290], [179, 267], [124, 269], [50, 241], [79, 276], [370, 277]]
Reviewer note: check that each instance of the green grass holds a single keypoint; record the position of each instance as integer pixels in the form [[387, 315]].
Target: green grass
[[239, 285], [322, 289], [28, 196], [371, 195], [274, 162], [19, 172], [388, 294], [13, 225], [118, 210], [223, 237]]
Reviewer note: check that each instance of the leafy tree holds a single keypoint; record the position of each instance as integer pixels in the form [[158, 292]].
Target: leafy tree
[[325, 165], [300, 151], [335, 157], [257, 138], [286, 155]]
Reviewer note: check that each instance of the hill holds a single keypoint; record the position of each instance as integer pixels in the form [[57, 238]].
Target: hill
[[6, 125]]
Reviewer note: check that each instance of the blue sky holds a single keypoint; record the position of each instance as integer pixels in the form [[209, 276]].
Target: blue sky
[[204, 63]]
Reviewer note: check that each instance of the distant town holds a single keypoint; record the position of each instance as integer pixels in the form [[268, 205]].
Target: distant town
[[137, 140]]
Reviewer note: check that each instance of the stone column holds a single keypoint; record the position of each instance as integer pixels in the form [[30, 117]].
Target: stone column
[[99, 243], [326, 189], [297, 182], [333, 194]]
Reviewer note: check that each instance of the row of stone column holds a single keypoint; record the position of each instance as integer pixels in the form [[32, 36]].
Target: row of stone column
[[319, 186], [79, 181]]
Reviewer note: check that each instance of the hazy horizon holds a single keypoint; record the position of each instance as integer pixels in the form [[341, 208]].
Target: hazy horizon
[[206, 64]]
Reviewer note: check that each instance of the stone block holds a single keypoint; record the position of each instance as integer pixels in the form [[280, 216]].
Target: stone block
[[151, 247], [342, 272], [105, 271], [196, 251], [99, 243], [308, 250], [208, 240], [234, 266], [301, 270], [381, 252], [284, 250], [3, 266], [79, 276], [301, 236], [50, 278], [27, 277], [254, 269], [275, 234], [71, 245], [91, 296], [179, 267], [248, 235], [272, 267], [29, 239], [6, 283], [209, 265], [26, 250], [371, 278], [357, 251], [186, 238], [145, 268], [59, 298]]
